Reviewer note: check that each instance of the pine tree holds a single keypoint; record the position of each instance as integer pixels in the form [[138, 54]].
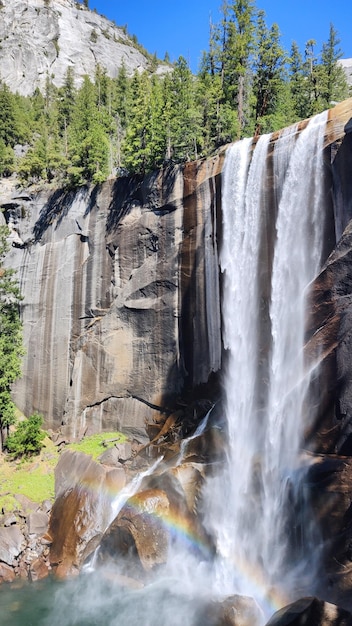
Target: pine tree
[[27, 440], [11, 347], [185, 123], [88, 142], [268, 72], [237, 48], [7, 160], [333, 80], [8, 121], [298, 84], [313, 75], [136, 148], [65, 104]]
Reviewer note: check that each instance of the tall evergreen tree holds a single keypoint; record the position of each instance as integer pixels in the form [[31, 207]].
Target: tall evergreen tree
[[8, 119], [11, 347], [334, 85], [88, 141], [137, 149], [237, 47], [186, 119], [298, 84], [65, 105], [268, 72]]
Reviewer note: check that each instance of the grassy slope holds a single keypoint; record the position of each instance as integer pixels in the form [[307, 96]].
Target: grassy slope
[[34, 478]]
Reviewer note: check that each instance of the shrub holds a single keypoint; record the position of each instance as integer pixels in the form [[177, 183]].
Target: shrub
[[28, 438]]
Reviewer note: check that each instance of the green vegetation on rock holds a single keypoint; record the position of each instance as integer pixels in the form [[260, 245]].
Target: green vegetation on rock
[[33, 477], [27, 439], [96, 444], [11, 347]]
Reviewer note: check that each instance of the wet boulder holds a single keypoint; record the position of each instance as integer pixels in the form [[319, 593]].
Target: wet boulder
[[233, 611], [81, 511], [139, 530], [312, 612], [7, 573]]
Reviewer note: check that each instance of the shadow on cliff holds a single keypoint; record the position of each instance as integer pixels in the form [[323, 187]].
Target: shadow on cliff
[[58, 206], [144, 191], [193, 384]]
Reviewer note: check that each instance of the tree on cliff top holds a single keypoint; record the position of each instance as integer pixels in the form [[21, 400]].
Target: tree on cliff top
[[11, 347]]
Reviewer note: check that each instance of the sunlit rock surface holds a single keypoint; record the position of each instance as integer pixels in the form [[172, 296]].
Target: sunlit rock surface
[[84, 491], [162, 513], [121, 304], [66, 35]]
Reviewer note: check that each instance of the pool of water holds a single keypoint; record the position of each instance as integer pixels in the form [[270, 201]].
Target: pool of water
[[95, 599]]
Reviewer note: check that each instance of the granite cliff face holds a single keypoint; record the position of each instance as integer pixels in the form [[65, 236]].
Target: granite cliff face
[[66, 35], [121, 296]]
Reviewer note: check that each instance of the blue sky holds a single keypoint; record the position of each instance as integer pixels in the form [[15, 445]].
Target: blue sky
[[181, 27]]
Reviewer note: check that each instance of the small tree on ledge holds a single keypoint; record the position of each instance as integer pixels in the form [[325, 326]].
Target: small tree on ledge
[[27, 440], [11, 347]]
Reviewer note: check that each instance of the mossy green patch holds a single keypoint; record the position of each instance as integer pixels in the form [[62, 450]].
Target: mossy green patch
[[96, 444], [33, 478]]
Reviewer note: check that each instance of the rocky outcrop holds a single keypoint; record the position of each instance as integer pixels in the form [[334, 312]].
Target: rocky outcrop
[[162, 513], [311, 611], [234, 611], [66, 35], [24, 545], [84, 491], [346, 64]]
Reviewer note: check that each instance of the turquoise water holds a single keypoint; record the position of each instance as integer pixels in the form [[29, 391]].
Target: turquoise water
[[94, 600]]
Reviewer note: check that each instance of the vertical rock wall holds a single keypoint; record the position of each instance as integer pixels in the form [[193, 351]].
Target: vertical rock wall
[[121, 306]]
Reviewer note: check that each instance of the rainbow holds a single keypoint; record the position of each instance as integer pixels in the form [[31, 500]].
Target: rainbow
[[183, 527]]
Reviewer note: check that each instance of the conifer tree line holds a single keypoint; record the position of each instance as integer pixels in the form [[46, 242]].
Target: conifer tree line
[[247, 84]]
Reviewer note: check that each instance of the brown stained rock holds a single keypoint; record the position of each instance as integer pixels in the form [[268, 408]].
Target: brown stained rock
[[190, 476], [311, 612], [38, 570], [140, 524], [329, 343], [123, 284], [330, 484], [12, 543], [81, 510], [76, 468], [115, 480], [149, 521], [7, 573]]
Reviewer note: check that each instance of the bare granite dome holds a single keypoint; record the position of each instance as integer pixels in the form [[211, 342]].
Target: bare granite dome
[[346, 64], [40, 38]]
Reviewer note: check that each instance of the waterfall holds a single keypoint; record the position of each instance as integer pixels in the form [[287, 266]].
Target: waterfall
[[265, 380]]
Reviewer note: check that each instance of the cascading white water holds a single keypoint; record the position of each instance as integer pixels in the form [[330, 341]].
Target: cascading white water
[[248, 515]]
